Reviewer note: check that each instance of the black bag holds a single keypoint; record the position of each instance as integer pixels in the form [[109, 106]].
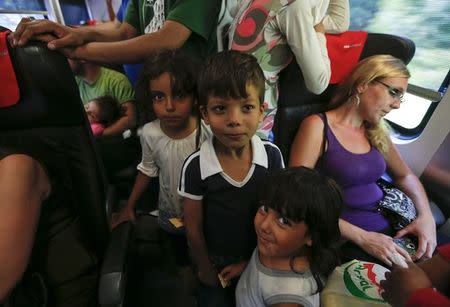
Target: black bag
[[400, 211], [398, 208]]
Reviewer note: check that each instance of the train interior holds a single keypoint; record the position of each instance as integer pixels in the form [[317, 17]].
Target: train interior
[[134, 265]]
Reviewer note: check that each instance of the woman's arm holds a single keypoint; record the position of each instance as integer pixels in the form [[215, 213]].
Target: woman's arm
[[23, 187], [424, 227], [307, 145]]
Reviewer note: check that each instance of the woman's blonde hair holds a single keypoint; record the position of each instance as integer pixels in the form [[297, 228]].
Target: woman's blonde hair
[[369, 70]]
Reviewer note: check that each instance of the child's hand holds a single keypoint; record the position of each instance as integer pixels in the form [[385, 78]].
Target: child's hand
[[400, 283], [126, 214], [208, 276], [233, 270]]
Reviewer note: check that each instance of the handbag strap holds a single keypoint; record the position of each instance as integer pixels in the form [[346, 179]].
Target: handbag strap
[[324, 134]]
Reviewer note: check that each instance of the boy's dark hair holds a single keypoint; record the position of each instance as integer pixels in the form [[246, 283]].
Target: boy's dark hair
[[109, 110], [304, 195], [227, 74], [183, 71]]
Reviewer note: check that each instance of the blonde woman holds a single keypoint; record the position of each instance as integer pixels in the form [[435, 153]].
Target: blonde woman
[[350, 144]]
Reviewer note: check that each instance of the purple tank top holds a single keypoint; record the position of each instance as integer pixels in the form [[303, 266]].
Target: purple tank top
[[356, 174]]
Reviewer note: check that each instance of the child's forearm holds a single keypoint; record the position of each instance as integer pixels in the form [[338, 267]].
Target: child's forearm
[[139, 187], [438, 271], [193, 221], [198, 248]]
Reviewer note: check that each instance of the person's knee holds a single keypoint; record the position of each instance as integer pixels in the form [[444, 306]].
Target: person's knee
[[27, 171]]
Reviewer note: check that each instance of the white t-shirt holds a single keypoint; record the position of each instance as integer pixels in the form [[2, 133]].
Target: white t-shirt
[[163, 156]]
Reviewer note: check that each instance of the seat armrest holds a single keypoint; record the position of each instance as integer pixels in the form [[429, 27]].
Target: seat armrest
[[114, 268], [111, 202], [438, 216]]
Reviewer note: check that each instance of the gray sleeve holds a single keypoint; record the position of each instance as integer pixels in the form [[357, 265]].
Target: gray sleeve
[[291, 298]]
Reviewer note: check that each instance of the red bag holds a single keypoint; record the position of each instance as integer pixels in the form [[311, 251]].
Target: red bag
[[344, 51], [9, 89]]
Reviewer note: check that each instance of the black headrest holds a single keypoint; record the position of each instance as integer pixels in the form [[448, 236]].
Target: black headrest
[[49, 94], [397, 46]]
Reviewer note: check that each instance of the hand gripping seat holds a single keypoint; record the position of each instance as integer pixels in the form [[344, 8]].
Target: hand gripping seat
[[49, 123]]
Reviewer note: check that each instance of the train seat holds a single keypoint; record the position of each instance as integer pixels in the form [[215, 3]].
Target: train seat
[[296, 102], [49, 123]]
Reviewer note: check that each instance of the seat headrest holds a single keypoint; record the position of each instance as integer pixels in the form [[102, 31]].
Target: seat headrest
[[9, 87], [347, 45], [49, 95]]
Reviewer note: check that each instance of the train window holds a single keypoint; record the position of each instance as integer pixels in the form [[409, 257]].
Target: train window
[[430, 65], [12, 11], [74, 11]]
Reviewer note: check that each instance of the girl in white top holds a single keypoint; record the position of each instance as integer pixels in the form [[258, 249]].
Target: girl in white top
[[276, 31], [166, 90], [296, 226]]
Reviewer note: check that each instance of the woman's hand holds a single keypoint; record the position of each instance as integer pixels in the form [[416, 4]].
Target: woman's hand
[[382, 247], [424, 228], [233, 270], [208, 276]]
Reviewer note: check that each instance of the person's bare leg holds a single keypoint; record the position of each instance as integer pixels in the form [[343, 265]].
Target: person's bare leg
[[23, 187]]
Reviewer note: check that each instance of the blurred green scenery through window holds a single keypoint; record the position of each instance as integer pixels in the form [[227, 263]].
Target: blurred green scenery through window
[[426, 22]]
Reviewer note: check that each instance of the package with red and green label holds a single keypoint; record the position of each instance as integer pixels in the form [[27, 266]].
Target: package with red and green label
[[355, 283]]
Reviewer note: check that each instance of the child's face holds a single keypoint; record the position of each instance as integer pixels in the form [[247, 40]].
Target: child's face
[[92, 111], [279, 236], [172, 111], [234, 121]]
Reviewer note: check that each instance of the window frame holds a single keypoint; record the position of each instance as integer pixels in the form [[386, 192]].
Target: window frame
[[433, 96]]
